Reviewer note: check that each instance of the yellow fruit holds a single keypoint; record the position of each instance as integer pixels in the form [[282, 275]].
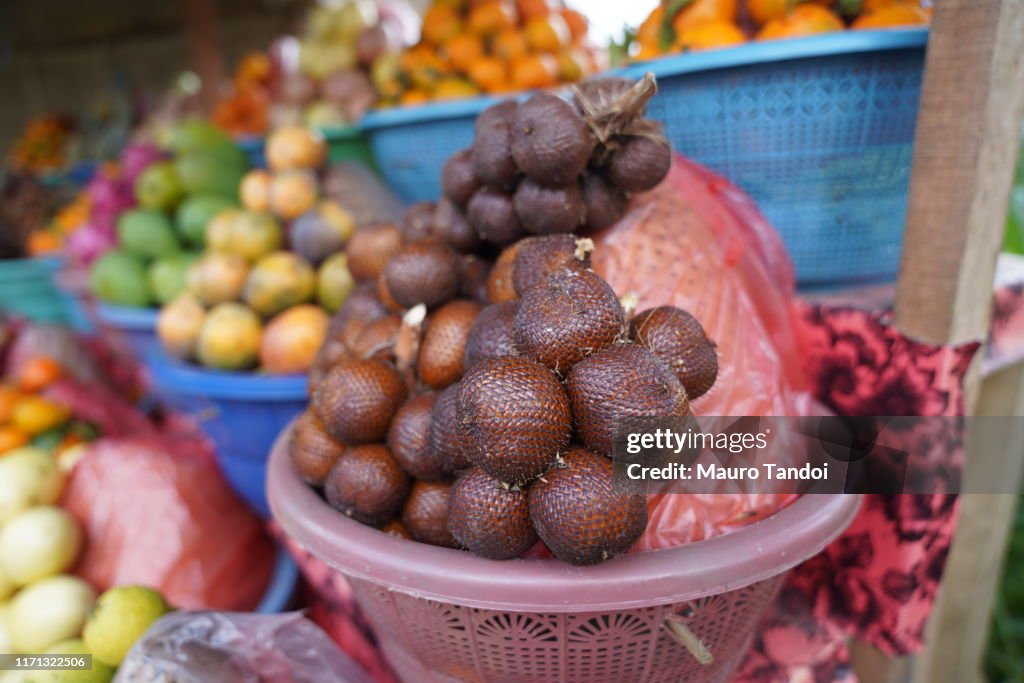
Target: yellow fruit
[[216, 278], [178, 325], [220, 228], [229, 338], [295, 148], [292, 338], [120, 618], [292, 194], [35, 415], [254, 235], [254, 191], [278, 281]]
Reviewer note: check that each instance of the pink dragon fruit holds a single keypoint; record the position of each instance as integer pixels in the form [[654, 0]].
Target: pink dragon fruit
[[90, 242], [136, 157]]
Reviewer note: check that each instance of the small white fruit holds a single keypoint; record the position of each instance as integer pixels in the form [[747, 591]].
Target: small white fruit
[[38, 543], [48, 612], [28, 476]]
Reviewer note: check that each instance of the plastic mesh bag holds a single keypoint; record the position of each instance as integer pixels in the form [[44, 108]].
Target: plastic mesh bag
[[699, 243], [157, 512], [199, 647]]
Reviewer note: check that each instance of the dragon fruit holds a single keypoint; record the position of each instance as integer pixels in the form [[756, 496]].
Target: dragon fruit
[[110, 196], [90, 242]]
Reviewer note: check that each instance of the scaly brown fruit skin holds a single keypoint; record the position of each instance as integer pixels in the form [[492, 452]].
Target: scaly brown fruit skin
[[493, 215], [604, 204], [621, 382], [500, 285], [489, 519], [425, 513], [409, 438], [567, 317], [385, 297], [549, 210], [452, 227], [538, 258], [418, 221], [397, 528], [358, 398], [370, 249], [580, 515], [458, 181], [639, 164], [447, 442], [330, 354], [444, 344], [679, 341], [312, 449], [550, 142], [492, 334], [475, 274], [491, 153], [377, 340], [360, 309], [367, 485], [516, 416], [425, 272]]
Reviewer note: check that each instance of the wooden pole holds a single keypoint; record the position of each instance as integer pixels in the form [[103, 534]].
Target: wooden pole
[[203, 38], [968, 129]]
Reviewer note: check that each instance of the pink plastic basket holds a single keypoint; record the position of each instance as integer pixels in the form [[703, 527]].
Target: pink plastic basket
[[684, 614]]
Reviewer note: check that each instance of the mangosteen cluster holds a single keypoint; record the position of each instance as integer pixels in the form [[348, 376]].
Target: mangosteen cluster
[[470, 403], [549, 166]]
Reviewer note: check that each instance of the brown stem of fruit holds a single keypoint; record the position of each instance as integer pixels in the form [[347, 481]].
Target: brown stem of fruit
[[621, 116]]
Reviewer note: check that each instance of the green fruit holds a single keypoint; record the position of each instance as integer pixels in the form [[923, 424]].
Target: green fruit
[[205, 173], [167, 275], [195, 212], [334, 282], [99, 673], [120, 278], [195, 135], [158, 187], [146, 233], [120, 618]]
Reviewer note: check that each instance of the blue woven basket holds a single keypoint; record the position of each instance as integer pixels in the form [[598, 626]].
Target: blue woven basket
[[134, 329], [252, 146], [28, 289], [817, 130], [242, 413]]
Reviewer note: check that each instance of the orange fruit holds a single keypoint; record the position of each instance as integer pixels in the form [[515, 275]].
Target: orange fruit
[[701, 11], [490, 73], [413, 97], [763, 11], [509, 44], [577, 24], [648, 50], [464, 50], [710, 34], [39, 373], [529, 9], [42, 242], [440, 24], [871, 5], [489, 17], [11, 438], [8, 398], [534, 71], [650, 29], [35, 415], [805, 20], [454, 89], [890, 16], [547, 34], [423, 66]]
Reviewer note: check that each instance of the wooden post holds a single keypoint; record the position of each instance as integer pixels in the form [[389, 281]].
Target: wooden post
[[203, 38], [968, 128]]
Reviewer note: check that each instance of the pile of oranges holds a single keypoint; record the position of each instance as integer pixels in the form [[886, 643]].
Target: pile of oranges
[[245, 108], [707, 24], [469, 47], [26, 415], [42, 145]]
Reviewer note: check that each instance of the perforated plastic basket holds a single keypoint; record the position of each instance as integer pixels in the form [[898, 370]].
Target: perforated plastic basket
[[445, 615], [133, 329], [28, 289], [242, 413], [817, 130]]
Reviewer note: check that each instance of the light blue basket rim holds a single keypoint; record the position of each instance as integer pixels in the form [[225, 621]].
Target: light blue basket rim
[[825, 45], [23, 268], [845, 42], [183, 378], [283, 582], [128, 317]]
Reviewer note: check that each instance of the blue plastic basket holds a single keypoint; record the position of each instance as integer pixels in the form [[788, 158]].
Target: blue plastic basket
[[242, 413], [134, 329], [252, 147], [28, 289], [817, 130]]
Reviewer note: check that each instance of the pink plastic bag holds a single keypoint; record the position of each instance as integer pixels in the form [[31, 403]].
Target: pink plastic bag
[[699, 243], [237, 648], [157, 512]]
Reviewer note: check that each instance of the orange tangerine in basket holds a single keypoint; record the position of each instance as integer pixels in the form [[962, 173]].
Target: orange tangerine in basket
[[530, 9], [576, 22], [709, 35], [491, 16], [805, 20], [509, 44], [440, 24], [547, 34], [763, 11], [534, 71], [463, 50], [490, 73], [702, 11], [890, 16]]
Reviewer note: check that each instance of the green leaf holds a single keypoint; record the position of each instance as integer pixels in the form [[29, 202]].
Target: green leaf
[[850, 8]]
